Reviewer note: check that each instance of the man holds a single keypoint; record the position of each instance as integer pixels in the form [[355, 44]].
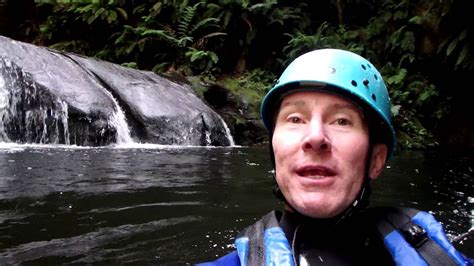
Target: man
[[331, 134]]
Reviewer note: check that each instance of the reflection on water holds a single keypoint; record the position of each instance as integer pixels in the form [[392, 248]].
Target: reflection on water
[[168, 205]]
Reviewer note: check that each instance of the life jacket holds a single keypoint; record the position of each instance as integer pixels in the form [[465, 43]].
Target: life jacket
[[414, 237], [411, 236]]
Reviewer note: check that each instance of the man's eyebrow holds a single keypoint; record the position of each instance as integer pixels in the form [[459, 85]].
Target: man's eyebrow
[[332, 106], [296, 103], [288, 104], [345, 106]]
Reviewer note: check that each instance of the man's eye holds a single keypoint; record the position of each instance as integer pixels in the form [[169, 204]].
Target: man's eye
[[295, 120], [342, 122]]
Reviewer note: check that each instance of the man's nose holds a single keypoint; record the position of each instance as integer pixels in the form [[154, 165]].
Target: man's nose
[[316, 137]]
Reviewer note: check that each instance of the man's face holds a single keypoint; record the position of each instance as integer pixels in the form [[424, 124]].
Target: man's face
[[321, 145]]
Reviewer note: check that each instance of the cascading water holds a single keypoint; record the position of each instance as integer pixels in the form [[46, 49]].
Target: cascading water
[[117, 119], [27, 113], [208, 138], [119, 122], [227, 132], [214, 130], [3, 105]]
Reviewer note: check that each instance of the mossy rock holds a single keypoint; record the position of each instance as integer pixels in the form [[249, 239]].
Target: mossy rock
[[237, 100]]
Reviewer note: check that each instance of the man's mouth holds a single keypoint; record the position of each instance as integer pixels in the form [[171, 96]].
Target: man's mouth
[[316, 172]]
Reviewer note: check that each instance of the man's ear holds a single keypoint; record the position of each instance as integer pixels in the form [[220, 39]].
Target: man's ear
[[377, 162]]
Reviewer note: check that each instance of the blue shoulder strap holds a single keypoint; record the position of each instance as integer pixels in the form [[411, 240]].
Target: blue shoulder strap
[[414, 237], [277, 248], [264, 243], [402, 252], [435, 231], [231, 259]]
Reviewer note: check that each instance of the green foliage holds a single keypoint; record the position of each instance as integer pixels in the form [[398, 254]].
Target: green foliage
[[202, 60], [174, 32], [63, 28], [257, 82], [326, 36], [459, 45], [396, 39], [250, 87], [100, 10], [130, 65], [410, 96], [180, 41]]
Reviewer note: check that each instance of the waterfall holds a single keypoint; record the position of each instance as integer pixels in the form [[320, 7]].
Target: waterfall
[[52, 97], [27, 114], [3, 105], [117, 119], [208, 137], [227, 132], [119, 122], [64, 120]]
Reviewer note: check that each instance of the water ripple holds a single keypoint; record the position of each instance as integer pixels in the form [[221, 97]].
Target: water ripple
[[83, 244]]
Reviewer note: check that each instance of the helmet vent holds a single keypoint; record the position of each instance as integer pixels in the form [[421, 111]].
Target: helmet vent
[[354, 83], [363, 67], [366, 82], [369, 65], [376, 78], [373, 97]]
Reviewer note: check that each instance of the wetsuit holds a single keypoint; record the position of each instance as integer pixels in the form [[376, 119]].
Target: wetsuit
[[352, 241]]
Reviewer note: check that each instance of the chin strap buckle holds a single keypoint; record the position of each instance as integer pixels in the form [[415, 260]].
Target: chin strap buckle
[[414, 234]]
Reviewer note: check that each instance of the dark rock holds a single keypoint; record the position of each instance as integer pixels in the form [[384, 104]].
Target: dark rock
[[52, 97], [241, 116]]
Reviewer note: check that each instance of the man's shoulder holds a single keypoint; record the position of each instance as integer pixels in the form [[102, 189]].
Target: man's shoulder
[[252, 234], [413, 236]]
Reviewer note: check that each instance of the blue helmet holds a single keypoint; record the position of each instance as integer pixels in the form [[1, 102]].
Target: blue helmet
[[342, 73]]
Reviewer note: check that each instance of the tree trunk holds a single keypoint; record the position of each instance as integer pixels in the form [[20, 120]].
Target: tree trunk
[[241, 65], [340, 12]]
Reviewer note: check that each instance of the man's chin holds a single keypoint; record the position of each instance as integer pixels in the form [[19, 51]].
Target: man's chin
[[317, 211], [319, 215]]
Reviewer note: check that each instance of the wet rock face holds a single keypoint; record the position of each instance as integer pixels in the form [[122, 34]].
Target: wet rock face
[[29, 112], [243, 120], [52, 97]]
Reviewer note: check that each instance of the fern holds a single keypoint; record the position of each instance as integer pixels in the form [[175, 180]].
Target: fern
[[186, 18], [204, 23]]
